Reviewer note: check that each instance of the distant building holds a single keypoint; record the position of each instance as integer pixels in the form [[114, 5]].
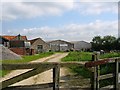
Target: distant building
[[60, 45], [81, 45], [39, 45], [4, 41], [17, 44]]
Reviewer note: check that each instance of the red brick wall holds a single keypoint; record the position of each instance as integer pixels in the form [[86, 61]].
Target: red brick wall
[[19, 51]]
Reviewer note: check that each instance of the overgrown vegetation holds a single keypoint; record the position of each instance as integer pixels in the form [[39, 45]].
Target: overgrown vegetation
[[24, 60], [86, 56]]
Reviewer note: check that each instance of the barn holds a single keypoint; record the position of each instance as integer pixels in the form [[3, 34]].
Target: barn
[[39, 45], [60, 45], [82, 45]]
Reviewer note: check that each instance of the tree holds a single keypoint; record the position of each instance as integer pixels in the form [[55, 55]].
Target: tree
[[106, 43], [96, 43], [117, 44], [109, 43]]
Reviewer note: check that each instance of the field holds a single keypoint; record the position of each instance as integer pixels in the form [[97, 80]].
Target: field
[[87, 56], [24, 60]]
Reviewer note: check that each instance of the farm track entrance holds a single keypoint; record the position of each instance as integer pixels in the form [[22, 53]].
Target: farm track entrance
[[44, 66]]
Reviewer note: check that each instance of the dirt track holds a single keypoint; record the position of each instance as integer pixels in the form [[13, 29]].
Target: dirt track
[[45, 77]]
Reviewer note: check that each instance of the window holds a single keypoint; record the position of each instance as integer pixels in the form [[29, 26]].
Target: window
[[39, 47]]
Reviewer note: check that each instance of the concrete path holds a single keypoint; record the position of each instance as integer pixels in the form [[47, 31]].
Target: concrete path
[[45, 77]]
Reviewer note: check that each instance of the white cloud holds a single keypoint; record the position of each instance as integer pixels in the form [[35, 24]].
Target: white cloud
[[72, 32], [59, 0], [95, 8], [98, 0], [14, 10]]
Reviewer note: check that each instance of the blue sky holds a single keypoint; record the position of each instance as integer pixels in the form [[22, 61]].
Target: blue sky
[[71, 21]]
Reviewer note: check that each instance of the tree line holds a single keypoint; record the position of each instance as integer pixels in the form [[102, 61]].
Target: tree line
[[106, 43]]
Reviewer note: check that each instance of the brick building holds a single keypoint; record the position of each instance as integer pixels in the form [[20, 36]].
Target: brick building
[[39, 45], [18, 44]]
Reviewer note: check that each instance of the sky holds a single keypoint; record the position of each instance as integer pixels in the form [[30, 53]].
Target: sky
[[71, 20]]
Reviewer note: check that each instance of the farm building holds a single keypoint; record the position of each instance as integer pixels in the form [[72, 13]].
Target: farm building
[[81, 45], [18, 44], [39, 45], [4, 41], [60, 45]]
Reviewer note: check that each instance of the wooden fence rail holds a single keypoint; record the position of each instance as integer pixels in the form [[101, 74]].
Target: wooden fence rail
[[36, 68], [96, 77]]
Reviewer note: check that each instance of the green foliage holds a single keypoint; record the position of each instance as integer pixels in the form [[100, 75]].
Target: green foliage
[[106, 43], [81, 71], [106, 82], [4, 72], [106, 68]]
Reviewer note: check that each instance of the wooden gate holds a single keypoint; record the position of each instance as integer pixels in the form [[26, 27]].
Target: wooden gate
[[96, 77], [36, 68]]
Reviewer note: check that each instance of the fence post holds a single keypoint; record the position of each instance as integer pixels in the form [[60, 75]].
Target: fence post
[[56, 76], [116, 75], [97, 73], [93, 76]]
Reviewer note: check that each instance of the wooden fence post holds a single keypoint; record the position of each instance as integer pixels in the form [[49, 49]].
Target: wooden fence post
[[56, 76], [93, 76], [97, 73], [116, 75]]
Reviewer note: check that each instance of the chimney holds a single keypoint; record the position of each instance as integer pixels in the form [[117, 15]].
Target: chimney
[[19, 37]]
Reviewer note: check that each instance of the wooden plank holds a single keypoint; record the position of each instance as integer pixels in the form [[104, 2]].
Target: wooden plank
[[106, 76], [36, 65], [23, 76], [56, 77], [25, 66], [68, 64], [33, 87], [100, 62], [109, 87]]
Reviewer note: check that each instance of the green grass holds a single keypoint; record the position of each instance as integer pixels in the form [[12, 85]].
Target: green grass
[[28, 58], [86, 56], [24, 60], [78, 56], [110, 55]]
